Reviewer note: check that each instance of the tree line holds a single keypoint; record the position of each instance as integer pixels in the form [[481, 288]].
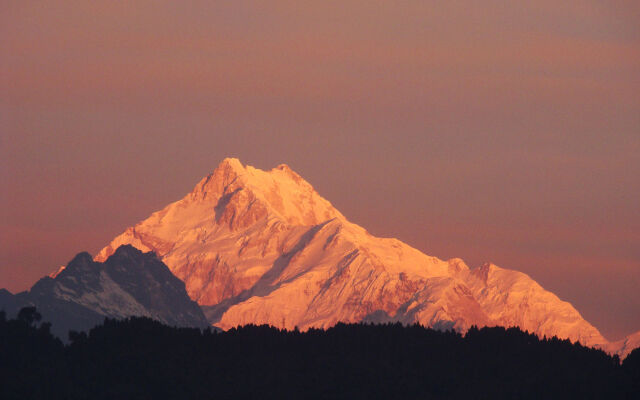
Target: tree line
[[139, 358]]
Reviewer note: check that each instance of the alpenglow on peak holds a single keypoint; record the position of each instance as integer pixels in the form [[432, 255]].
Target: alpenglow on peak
[[244, 194], [264, 247]]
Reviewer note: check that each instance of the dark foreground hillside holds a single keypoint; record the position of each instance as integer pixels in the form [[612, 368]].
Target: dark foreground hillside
[[143, 359]]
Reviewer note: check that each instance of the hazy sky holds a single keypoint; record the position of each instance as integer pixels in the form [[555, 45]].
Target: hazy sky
[[488, 130]]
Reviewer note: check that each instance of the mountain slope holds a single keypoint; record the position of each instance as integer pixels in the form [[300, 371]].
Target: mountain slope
[[128, 283], [257, 246], [625, 346]]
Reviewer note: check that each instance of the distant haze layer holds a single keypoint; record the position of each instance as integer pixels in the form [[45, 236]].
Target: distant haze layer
[[492, 131]]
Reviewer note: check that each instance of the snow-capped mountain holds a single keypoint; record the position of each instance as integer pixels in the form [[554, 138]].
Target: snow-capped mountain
[[257, 246], [625, 346], [128, 283]]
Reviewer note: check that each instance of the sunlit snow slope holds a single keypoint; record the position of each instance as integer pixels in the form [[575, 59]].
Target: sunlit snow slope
[[257, 246]]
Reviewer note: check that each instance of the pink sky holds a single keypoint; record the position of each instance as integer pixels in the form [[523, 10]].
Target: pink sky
[[490, 131]]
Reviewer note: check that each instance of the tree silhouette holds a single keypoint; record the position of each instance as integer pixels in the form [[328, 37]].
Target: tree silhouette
[[29, 315], [139, 358]]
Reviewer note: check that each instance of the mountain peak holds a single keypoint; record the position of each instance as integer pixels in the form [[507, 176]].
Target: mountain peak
[[231, 162], [257, 246], [288, 171], [229, 167], [225, 174], [242, 195], [81, 262], [283, 167], [129, 283], [233, 197], [127, 251], [82, 258]]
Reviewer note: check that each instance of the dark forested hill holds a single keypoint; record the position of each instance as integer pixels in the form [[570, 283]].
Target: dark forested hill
[[139, 358]]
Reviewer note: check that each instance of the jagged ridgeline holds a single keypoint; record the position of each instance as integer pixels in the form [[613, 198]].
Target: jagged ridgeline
[[128, 283], [143, 359], [264, 247]]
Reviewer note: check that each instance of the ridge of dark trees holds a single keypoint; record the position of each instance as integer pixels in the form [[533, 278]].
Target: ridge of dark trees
[[139, 358]]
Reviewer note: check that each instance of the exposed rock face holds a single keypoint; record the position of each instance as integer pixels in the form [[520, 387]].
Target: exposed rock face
[[257, 246], [128, 283]]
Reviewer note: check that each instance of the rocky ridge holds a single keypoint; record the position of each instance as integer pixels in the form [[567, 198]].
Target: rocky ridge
[[128, 283]]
